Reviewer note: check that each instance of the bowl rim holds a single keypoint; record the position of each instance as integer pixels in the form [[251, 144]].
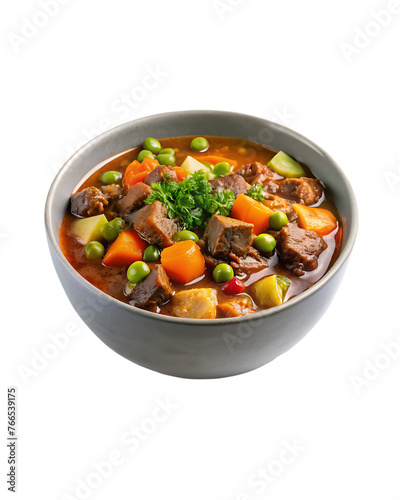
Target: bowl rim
[[343, 256]]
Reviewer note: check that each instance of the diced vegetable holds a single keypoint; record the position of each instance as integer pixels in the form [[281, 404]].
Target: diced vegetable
[[286, 166], [223, 273], [197, 303], [183, 261], [251, 211], [150, 163], [152, 145], [185, 235], [190, 164], [145, 153], [238, 306], [110, 177], [127, 248], [278, 220], [94, 250], [264, 242], [136, 172], [90, 228], [199, 144], [181, 173], [268, 292], [284, 283], [137, 271], [134, 176], [320, 220], [216, 159], [233, 286]]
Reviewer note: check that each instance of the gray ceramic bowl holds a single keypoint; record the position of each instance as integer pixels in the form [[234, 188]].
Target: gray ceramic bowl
[[199, 348]]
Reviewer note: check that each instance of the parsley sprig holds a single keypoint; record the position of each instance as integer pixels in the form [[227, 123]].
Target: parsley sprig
[[191, 200], [256, 192]]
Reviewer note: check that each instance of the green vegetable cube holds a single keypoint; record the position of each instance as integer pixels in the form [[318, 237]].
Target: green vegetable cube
[[191, 165], [284, 165], [90, 228], [270, 291]]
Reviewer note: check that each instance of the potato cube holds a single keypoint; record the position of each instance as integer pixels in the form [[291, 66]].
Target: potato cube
[[197, 303]]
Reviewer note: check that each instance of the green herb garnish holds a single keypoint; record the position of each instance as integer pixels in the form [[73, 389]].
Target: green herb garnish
[[191, 200], [256, 192]]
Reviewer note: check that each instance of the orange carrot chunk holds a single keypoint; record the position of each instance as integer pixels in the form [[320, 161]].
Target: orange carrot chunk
[[136, 172], [254, 212], [183, 261], [181, 173], [320, 220], [127, 248]]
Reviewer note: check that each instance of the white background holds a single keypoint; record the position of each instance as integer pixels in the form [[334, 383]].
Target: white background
[[285, 61]]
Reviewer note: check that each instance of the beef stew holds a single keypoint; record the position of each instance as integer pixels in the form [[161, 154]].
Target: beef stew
[[225, 231]]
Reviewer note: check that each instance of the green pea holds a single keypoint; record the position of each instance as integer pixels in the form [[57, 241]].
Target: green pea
[[265, 243], [222, 168], [223, 273], [152, 145], [110, 177], [277, 220], [118, 223], [164, 159], [110, 232], [145, 153], [199, 144], [185, 235], [167, 151], [94, 250], [151, 253], [207, 164], [137, 271]]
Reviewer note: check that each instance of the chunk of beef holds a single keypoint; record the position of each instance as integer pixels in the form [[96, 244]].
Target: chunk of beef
[[231, 182], [303, 190], [233, 308], [211, 262], [271, 186], [275, 203], [225, 235], [198, 303], [159, 174], [256, 173], [253, 262], [155, 289], [274, 233], [112, 191], [90, 201], [154, 225], [299, 249], [134, 199]]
